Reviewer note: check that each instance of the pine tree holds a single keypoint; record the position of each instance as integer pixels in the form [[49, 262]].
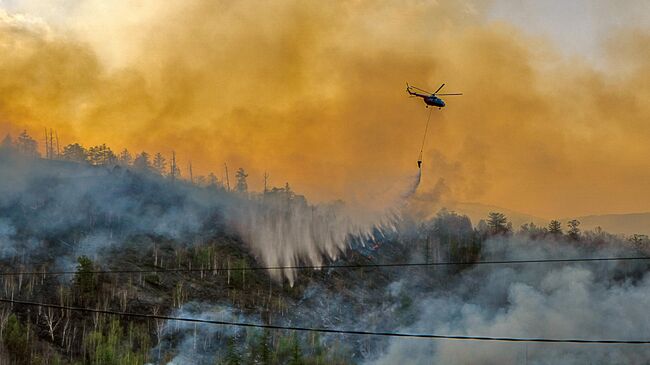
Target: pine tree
[[497, 223], [75, 153], [296, 354], [7, 143], [27, 145], [16, 339], [101, 155], [85, 279], [232, 356], [555, 227], [213, 182], [142, 162], [159, 163], [574, 231], [265, 347], [125, 158]]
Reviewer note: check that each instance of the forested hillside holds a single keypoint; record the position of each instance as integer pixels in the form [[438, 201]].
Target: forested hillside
[[84, 229]]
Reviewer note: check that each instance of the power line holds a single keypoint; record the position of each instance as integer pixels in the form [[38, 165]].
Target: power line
[[328, 330], [325, 267]]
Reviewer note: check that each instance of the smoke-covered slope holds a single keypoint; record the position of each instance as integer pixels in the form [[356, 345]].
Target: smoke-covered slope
[[83, 209], [53, 212]]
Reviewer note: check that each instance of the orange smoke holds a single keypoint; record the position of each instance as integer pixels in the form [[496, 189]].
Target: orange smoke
[[313, 92]]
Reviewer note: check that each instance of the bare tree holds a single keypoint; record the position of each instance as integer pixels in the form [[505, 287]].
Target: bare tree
[[57, 144], [159, 328], [174, 171], [227, 177], [5, 312], [48, 148], [52, 319], [266, 182]]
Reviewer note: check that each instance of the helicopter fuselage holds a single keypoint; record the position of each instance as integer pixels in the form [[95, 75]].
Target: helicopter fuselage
[[433, 100]]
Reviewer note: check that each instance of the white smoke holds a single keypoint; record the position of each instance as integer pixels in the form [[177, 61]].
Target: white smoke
[[577, 300], [7, 231], [198, 343]]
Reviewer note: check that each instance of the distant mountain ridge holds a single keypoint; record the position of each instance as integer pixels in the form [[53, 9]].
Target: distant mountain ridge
[[626, 223]]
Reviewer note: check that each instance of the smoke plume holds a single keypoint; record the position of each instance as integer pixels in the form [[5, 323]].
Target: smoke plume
[[87, 210], [314, 94], [578, 300]]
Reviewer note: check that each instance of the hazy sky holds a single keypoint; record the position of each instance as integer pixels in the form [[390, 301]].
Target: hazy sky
[[576, 26], [554, 120]]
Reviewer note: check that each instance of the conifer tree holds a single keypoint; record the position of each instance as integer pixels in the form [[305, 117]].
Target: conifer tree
[[125, 158], [75, 153], [555, 227], [159, 163], [142, 162], [27, 145]]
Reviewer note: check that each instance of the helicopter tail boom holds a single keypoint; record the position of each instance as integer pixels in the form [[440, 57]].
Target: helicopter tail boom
[[409, 89]]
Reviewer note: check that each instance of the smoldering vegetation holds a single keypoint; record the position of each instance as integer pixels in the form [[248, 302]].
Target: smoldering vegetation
[[579, 300], [596, 300], [79, 217], [60, 210]]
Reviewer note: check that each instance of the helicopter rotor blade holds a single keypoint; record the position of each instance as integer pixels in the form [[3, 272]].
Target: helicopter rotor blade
[[450, 94], [417, 88], [441, 86]]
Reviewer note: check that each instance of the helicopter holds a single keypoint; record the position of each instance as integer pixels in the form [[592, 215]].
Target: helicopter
[[430, 98]]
